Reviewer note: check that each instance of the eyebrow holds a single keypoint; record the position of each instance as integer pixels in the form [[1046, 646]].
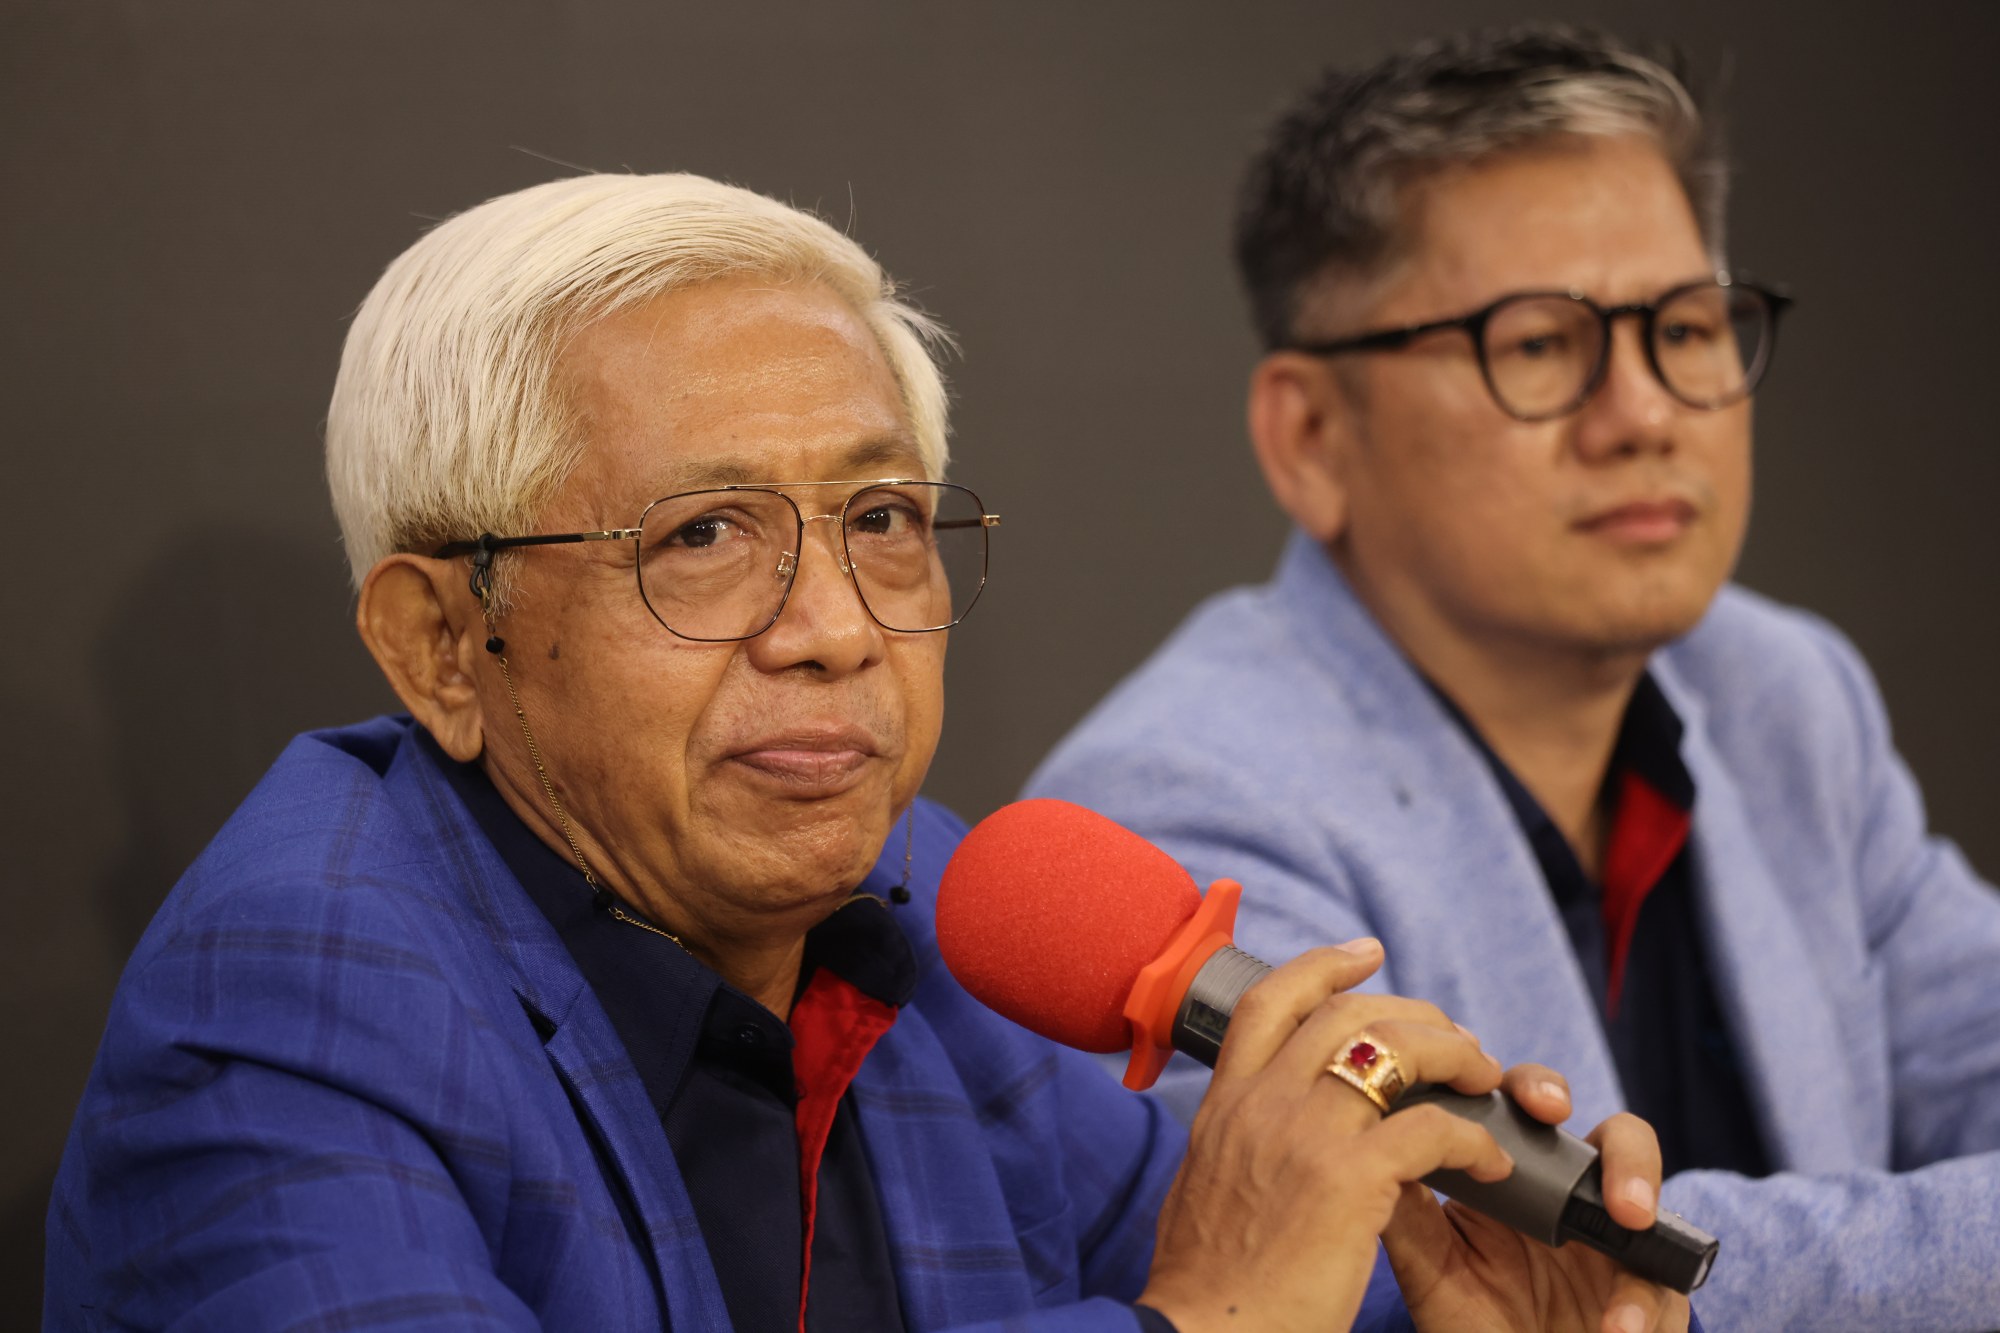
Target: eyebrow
[[896, 450]]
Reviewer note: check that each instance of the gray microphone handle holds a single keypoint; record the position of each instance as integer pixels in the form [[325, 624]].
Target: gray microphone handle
[[1547, 1162], [1554, 1193]]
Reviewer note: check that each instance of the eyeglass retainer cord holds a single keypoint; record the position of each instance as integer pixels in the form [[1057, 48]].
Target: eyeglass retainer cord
[[481, 584]]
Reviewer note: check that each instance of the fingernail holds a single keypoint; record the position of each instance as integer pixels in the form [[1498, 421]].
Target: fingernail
[[1629, 1319], [1551, 1089], [1364, 946], [1639, 1192]]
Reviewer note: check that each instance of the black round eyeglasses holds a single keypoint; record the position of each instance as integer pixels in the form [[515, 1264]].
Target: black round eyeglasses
[[1543, 354]]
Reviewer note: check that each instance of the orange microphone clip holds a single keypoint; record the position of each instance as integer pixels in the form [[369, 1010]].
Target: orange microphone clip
[[1162, 984]]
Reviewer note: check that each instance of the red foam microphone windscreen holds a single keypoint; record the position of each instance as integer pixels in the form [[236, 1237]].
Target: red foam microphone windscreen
[[1047, 911]]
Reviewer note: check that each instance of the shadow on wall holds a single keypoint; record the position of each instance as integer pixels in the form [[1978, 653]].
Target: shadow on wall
[[21, 1220], [229, 643]]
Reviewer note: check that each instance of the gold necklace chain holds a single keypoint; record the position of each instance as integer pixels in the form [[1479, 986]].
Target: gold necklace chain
[[605, 899], [482, 587], [901, 893]]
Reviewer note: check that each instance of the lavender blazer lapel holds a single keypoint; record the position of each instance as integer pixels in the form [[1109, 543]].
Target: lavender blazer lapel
[[1439, 865], [1448, 868], [1766, 978], [1484, 936]]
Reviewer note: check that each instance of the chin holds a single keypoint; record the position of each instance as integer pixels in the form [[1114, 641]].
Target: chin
[[820, 850], [1646, 626]]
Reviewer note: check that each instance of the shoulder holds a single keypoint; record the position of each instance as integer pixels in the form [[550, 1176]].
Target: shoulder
[[312, 1025], [1748, 640], [1237, 653], [317, 934], [1270, 719], [1242, 694], [1771, 681], [339, 841]]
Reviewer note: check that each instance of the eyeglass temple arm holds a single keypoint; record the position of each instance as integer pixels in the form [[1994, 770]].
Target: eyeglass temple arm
[[983, 521], [482, 550], [1371, 341], [489, 543]]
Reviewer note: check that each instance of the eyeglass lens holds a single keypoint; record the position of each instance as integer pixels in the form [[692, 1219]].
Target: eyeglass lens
[[1543, 353], [717, 565]]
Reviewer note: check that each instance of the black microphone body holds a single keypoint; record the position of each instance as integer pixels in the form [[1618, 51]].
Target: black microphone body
[[1555, 1192]]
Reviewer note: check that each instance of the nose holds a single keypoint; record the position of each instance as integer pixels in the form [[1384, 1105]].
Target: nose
[[824, 626], [1631, 412]]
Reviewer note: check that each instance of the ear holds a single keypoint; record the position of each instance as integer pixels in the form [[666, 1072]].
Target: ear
[[1301, 423], [423, 628]]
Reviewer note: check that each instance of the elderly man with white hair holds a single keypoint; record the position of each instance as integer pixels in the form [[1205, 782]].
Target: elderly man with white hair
[[601, 991]]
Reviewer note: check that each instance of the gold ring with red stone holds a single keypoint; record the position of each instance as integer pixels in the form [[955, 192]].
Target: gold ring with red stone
[[1372, 1070]]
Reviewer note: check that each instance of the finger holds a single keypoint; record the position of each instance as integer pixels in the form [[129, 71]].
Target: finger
[[1336, 1021], [1419, 1241], [1540, 1091], [1637, 1306], [1428, 1241], [1411, 1144], [1631, 1155], [1271, 1011], [1425, 1054]]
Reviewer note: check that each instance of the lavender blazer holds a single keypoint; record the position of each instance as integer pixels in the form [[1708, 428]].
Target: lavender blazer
[[1280, 739]]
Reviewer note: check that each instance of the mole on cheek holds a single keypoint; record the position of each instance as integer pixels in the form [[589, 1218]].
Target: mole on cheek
[[555, 651]]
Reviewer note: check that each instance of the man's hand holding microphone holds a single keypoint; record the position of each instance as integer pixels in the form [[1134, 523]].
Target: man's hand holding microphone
[[1084, 932]]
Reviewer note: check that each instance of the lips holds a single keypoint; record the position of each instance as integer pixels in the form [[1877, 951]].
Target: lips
[[1642, 522], [809, 761]]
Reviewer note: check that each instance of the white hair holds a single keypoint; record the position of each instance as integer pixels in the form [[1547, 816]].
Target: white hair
[[447, 417]]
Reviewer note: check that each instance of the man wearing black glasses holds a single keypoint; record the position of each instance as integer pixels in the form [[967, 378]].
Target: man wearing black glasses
[[1499, 708]]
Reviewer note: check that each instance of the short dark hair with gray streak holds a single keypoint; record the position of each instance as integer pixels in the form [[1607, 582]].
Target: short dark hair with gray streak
[[1322, 198]]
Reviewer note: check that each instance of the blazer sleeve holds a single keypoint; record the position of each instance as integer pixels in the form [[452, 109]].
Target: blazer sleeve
[[263, 1140], [1121, 1153], [1917, 1246], [1934, 935]]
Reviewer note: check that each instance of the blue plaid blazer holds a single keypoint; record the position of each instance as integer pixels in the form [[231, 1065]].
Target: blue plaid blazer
[[352, 1080]]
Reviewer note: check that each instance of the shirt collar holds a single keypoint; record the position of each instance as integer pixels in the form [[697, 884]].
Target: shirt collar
[[668, 1006], [1648, 744]]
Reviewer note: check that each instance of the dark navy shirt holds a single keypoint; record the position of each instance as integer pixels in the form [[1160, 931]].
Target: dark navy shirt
[[1666, 1030], [718, 1068]]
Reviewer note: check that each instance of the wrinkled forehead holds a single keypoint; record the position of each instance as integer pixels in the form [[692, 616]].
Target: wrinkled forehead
[[735, 382], [866, 460]]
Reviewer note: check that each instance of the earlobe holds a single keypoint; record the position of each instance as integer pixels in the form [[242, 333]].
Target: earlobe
[[426, 647], [1299, 425]]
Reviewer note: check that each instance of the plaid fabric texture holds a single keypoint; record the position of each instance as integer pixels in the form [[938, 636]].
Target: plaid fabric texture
[[351, 1080]]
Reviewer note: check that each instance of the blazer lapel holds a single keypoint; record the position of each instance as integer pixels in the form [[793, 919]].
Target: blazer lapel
[[1465, 916], [1443, 866], [611, 1100], [951, 1237], [1790, 1045], [583, 1048], [1485, 937]]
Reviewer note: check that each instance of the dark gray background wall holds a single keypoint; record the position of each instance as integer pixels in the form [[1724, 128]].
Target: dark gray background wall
[[197, 195]]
